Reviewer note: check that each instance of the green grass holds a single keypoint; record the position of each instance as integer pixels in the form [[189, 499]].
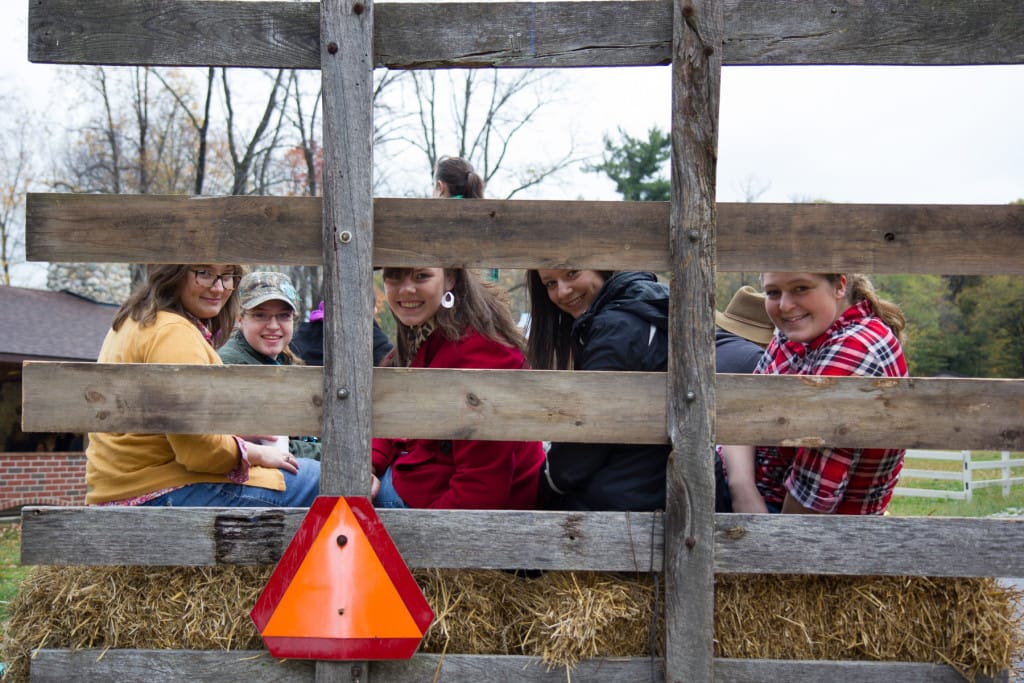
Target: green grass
[[11, 571], [984, 501]]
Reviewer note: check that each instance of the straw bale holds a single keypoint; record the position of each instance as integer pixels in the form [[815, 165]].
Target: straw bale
[[199, 608], [471, 610], [973, 625]]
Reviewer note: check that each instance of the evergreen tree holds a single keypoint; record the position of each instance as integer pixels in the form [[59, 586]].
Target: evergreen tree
[[637, 166]]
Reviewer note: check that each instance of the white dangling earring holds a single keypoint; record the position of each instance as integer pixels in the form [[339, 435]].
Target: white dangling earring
[[448, 300]]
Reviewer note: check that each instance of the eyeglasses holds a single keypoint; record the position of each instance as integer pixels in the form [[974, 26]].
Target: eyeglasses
[[208, 278], [262, 318]]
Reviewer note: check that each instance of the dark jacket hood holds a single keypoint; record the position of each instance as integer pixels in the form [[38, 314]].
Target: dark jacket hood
[[638, 293]]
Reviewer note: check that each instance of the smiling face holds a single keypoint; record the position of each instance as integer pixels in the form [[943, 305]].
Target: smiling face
[[803, 305], [202, 301], [268, 327], [572, 291], [414, 294]]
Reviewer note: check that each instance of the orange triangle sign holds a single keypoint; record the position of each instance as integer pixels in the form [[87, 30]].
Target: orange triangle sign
[[341, 590]]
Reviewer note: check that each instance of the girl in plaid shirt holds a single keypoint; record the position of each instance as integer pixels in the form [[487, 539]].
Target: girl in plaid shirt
[[828, 324]]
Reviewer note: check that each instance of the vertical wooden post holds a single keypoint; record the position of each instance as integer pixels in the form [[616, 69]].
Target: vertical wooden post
[[346, 57], [689, 522], [346, 35]]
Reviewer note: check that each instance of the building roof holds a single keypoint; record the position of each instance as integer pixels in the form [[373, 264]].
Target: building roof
[[43, 325]]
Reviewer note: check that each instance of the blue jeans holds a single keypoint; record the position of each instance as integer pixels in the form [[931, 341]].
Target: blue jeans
[[300, 491], [387, 496]]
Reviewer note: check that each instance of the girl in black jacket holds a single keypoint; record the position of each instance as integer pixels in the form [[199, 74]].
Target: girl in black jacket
[[600, 320]]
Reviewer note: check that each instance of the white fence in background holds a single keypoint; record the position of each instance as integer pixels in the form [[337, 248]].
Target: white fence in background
[[965, 475]]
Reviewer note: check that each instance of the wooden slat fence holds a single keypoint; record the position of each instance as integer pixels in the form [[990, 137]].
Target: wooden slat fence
[[691, 237]]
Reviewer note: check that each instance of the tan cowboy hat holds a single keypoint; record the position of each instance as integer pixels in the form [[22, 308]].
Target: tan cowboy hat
[[745, 316]]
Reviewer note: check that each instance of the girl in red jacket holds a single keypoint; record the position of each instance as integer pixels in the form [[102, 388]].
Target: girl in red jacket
[[448, 318]]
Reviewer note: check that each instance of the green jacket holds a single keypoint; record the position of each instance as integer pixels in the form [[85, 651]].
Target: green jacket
[[237, 351]]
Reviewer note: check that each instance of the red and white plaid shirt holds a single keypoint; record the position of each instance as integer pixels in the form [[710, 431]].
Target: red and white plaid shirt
[[852, 481]]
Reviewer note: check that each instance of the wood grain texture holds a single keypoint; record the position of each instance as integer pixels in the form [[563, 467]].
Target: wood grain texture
[[834, 544], [882, 238], [595, 407], [149, 666], [603, 541], [507, 34], [595, 541], [256, 666], [690, 478], [347, 234]]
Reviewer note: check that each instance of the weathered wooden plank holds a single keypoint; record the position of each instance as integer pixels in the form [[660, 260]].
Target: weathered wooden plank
[[604, 541], [149, 666], [596, 541], [507, 34], [596, 407], [797, 671], [256, 666], [690, 480], [346, 55], [882, 238], [832, 544], [347, 234]]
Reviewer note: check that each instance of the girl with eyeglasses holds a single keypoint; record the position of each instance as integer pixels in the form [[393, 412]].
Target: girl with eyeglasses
[[180, 315], [264, 332]]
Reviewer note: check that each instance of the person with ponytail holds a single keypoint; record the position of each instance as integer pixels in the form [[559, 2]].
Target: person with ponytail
[[830, 324], [181, 314], [455, 178], [450, 318]]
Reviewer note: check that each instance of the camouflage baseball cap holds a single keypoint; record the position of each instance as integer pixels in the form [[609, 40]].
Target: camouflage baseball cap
[[263, 286]]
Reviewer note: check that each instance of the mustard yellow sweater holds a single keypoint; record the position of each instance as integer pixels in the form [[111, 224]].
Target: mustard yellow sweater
[[121, 466]]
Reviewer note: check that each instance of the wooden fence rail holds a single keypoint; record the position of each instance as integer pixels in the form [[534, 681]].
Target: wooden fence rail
[[870, 238], [510, 34], [602, 407], [596, 541]]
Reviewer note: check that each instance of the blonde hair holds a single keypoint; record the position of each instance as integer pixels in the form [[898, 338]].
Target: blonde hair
[[859, 288]]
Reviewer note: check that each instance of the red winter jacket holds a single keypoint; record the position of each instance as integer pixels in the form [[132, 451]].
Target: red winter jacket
[[463, 474]]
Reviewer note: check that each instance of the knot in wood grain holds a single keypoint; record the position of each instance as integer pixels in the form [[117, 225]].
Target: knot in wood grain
[[472, 399], [734, 533], [93, 396]]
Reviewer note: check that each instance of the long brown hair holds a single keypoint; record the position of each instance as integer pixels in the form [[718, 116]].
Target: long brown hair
[[859, 288], [161, 292], [549, 346], [479, 305]]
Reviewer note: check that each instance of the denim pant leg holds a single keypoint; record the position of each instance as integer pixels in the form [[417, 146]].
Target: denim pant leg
[[387, 496], [300, 491]]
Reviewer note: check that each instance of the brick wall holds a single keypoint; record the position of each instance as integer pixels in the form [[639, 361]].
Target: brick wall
[[41, 479]]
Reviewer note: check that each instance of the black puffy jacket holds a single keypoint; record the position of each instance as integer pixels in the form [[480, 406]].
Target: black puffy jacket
[[625, 328]]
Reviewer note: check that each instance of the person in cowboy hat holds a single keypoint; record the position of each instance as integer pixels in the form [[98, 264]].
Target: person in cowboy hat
[[743, 331]]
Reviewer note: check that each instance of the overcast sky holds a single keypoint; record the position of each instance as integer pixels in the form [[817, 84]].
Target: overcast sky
[[845, 134]]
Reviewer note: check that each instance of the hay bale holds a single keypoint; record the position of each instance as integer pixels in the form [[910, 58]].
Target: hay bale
[[200, 608], [563, 617], [471, 611], [973, 625]]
